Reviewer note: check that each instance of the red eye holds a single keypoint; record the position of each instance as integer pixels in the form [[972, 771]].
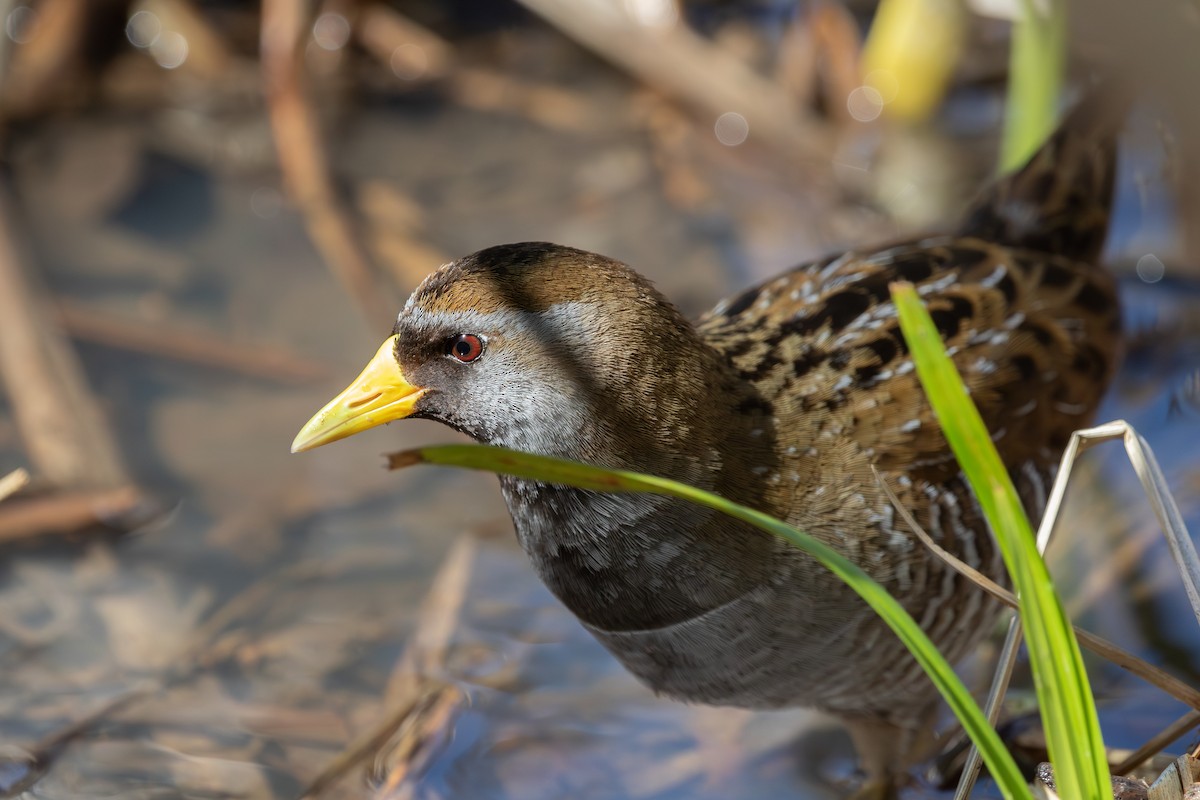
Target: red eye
[[466, 347]]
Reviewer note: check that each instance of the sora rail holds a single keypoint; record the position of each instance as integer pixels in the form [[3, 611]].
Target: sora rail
[[780, 398]]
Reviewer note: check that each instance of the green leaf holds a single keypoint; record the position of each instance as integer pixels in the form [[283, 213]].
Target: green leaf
[[1068, 710], [1035, 76], [552, 470]]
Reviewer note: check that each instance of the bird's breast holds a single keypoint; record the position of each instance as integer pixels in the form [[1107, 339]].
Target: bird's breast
[[633, 562]]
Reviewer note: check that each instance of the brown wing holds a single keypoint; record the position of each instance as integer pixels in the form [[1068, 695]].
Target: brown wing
[[1035, 336]]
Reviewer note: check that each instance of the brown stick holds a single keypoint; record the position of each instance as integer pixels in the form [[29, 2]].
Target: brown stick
[[12, 483], [60, 422], [839, 46], [66, 512], [679, 62], [43, 753], [410, 50], [410, 691], [488, 90], [41, 68], [1156, 743], [422, 735], [426, 652], [415, 53], [192, 346], [302, 157], [208, 55], [1098, 645]]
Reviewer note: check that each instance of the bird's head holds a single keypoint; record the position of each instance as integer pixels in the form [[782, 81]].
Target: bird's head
[[532, 346]]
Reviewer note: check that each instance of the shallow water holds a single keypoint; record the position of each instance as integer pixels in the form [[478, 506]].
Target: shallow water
[[267, 612]]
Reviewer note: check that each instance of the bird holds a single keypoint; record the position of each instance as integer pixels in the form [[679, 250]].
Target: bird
[[789, 397]]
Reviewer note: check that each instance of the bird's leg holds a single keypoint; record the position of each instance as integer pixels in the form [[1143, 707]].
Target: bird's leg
[[887, 747]]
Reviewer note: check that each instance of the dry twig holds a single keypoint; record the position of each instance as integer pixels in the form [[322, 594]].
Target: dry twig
[[426, 704], [414, 53], [555, 108], [423, 732], [410, 50], [1183, 550], [12, 483], [59, 419], [1156, 743], [41, 68], [1098, 645], [190, 346], [72, 511], [303, 160], [395, 223], [839, 50], [208, 56], [679, 62], [42, 754]]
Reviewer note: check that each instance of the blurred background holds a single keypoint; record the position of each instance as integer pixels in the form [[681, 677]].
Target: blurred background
[[210, 213]]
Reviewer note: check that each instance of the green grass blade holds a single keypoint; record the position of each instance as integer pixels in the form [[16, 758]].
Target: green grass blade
[[1068, 711], [553, 470], [1035, 74]]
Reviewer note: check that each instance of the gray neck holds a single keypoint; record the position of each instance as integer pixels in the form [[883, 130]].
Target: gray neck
[[627, 562]]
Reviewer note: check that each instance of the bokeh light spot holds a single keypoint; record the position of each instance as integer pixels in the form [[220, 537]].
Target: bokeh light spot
[[143, 29], [266, 202], [1150, 268], [409, 62], [865, 103], [331, 31], [170, 49], [731, 129], [19, 24]]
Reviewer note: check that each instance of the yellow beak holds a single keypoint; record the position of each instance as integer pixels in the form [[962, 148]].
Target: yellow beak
[[380, 394]]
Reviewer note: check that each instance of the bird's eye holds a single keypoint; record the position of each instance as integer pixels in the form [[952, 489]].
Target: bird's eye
[[465, 347]]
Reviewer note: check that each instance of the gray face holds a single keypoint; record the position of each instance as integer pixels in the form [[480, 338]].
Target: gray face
[[581, 357], [534, 386]]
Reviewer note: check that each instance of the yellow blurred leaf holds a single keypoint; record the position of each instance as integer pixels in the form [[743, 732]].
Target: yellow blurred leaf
[[911, 53]]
